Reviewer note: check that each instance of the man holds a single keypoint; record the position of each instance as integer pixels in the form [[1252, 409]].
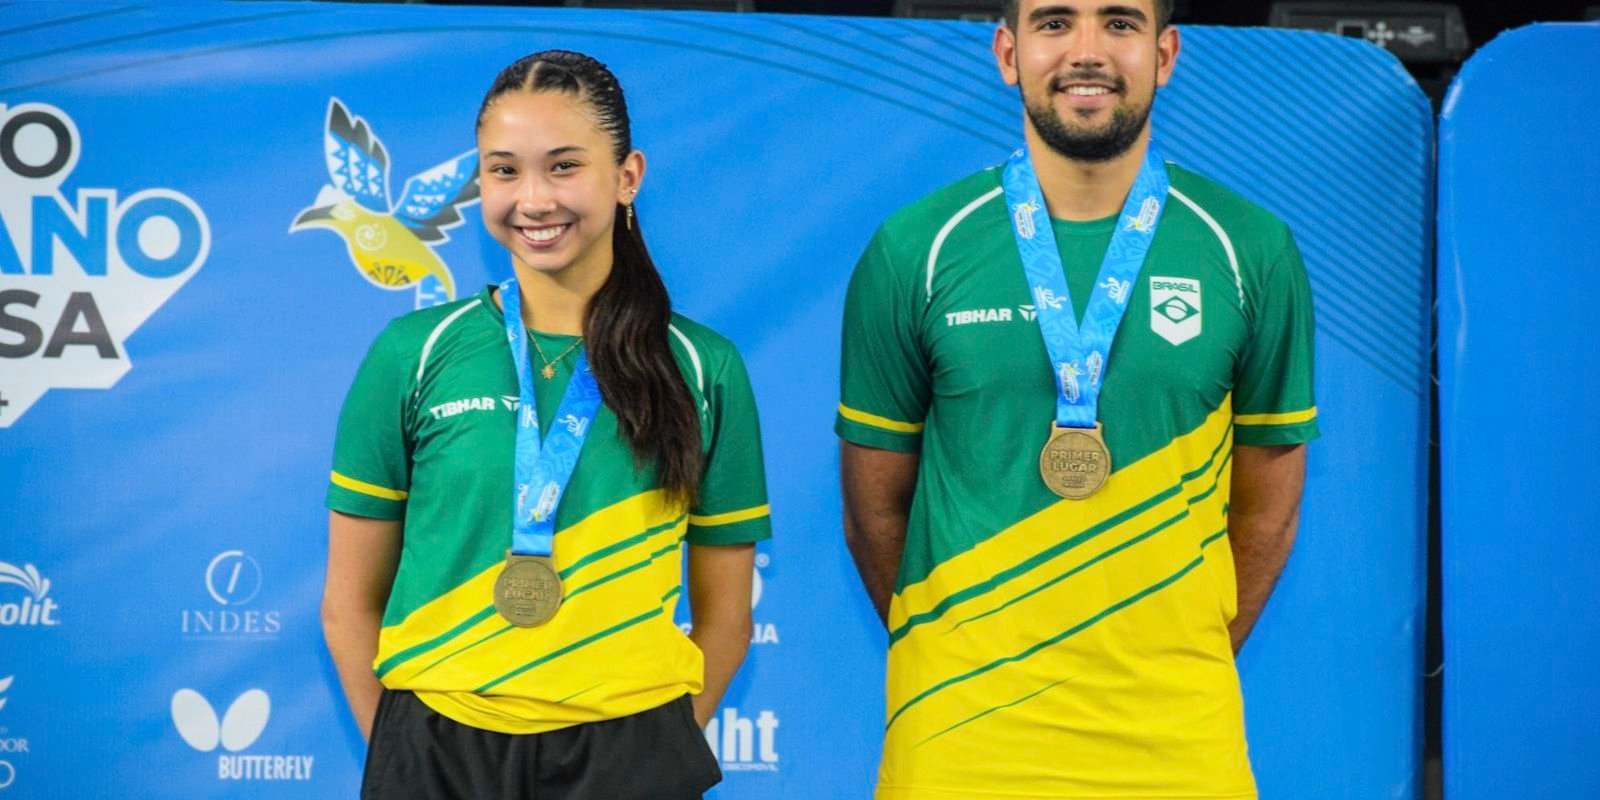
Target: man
[[1066, 568]]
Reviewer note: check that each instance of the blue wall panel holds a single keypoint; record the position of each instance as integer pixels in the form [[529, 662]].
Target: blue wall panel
[[139, 483], [1518, 374]]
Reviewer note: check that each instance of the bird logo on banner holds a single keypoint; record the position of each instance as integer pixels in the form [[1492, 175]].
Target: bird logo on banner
[[391, 244]]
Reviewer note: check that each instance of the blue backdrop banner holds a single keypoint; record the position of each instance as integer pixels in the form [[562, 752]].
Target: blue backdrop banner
[[173, 356], [1518, 371]]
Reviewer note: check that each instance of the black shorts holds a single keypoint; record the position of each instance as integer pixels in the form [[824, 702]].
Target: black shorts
[[417, 753]]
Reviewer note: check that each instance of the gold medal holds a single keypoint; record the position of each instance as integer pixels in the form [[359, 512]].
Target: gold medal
[[1075, 461], [528, 591]]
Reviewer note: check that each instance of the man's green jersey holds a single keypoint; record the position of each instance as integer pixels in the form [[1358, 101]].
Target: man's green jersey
[[1042, 647], [427, 436]]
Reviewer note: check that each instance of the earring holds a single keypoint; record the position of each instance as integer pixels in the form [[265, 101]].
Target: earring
[[630, 216]]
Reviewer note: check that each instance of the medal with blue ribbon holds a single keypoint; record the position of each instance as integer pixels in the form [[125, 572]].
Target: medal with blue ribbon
[[528, 590], [1075, 461]]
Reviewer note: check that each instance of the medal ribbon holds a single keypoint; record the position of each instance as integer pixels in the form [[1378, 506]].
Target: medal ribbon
[[1079, 354], [543, 469]]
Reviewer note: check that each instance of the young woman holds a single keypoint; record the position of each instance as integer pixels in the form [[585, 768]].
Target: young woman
[[515, 476]]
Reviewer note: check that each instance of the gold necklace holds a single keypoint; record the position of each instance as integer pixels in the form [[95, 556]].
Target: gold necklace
[[549, 370]]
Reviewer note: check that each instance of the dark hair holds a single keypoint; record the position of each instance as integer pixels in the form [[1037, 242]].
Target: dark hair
[[1010, 8], [626, 327]]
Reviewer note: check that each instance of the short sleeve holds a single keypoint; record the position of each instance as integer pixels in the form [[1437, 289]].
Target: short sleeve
[[884, 382], [1273, 402], [371, 464], [732, 504]]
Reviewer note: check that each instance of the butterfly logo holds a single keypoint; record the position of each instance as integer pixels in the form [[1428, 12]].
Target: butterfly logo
[[239, 728]]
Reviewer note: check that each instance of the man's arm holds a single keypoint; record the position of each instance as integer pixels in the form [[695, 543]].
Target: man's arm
[[1263, 513], [362, 556], [878, 486], [720, 578]]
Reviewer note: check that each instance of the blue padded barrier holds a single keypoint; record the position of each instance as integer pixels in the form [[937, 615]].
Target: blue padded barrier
[[1518, 378]]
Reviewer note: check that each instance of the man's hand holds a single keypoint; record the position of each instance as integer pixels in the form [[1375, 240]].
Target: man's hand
[[878, 486], [1263, 513]]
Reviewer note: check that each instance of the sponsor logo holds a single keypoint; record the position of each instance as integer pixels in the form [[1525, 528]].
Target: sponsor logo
[[79, 273], [510, 401], [238, 729], [1029, 313], [955, 318], [743, 744], [36, 609], [1022, 213], [9, 744], [761, 632], [547, 501], [232, 579], [1175, 308], [486, 403], [1145, 220], [390, 242], [1068, 374]]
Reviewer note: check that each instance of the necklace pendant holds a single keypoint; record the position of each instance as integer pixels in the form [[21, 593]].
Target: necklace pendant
[[549, 371]]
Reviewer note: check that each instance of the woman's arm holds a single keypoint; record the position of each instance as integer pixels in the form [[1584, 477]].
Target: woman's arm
[[719, 607], [362, 555]]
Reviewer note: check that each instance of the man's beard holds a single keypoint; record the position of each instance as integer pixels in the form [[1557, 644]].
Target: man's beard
[[1092, 146]]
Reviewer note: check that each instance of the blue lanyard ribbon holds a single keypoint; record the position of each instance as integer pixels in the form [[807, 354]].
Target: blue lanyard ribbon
[[543, 469], [1078, 354]]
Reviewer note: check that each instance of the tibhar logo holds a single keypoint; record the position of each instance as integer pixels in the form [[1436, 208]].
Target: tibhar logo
[[233, 579], [1175, 308], [239, 728], [390, 243], [743, 744], [955, 318], [1029, 313], [454, 407], [36, 610], [79, 273]]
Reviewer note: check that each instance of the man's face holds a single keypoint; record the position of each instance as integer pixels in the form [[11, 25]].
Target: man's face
[[1088, 71]]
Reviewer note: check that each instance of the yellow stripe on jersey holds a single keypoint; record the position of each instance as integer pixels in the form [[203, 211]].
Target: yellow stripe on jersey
[[1132, 494], [729, 518], [1289, 418], [620, 572], [878, 422], [1088, 620], [370, 489]]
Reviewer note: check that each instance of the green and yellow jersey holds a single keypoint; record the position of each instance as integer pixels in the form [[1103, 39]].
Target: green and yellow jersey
[[427, 436], [1042, 647]]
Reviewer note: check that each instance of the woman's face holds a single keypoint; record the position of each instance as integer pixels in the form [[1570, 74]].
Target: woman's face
[[549, 181]]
